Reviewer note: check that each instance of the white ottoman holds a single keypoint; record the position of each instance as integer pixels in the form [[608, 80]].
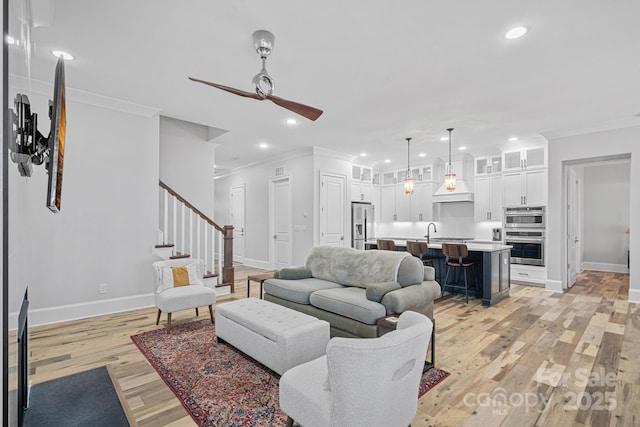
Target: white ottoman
[[276, 336]]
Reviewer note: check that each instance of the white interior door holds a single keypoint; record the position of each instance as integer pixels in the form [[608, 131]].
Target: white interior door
[[332, 210], [280, 224], [238, 222], [573, 214]]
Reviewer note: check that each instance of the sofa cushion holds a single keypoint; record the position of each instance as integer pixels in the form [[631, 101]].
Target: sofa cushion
[[349, 302], [410, 272], [297, 290], [376, 291], [352, 267], [293, 273]]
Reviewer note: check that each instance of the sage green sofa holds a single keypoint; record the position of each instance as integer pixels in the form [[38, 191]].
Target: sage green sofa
[[352, 288]]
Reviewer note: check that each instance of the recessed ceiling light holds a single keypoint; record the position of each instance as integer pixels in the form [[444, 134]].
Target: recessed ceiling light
[[291, 121], [422, 154], [444, 138], [515, 33], [513, 139], [387, 161], [363, 154], [462, 148], [60, 53], [10, 40], [263, 145]]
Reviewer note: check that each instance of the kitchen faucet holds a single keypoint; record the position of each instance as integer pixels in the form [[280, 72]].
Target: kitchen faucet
[[428, 228]]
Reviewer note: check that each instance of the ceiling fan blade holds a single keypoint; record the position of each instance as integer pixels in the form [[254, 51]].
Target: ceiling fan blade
[[310, 113], [228, 89]]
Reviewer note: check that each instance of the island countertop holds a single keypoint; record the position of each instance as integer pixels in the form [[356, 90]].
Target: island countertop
[[492, 270], [472, 245]]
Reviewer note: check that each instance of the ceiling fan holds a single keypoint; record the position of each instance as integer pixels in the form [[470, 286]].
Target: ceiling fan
[[263, 41]]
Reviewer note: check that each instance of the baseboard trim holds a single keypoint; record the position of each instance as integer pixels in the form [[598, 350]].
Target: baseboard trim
[[634, 296], [64, 313], [553, 286], [606, 267]]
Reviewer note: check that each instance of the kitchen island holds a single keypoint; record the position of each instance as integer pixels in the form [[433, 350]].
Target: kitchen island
[[492, 269]]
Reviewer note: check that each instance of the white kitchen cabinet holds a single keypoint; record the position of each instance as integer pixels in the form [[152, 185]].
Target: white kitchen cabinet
[[361, 187], [526, 188], [361, 191], [396, 205], [525, 158], [529, 274], [375, 200], [361, 173], [488, 165], [421, 202], [488, 198], [388, 178], [403, 204], [387, 203]]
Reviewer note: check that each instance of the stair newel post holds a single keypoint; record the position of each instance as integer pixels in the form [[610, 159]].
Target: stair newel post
[[227, 271]]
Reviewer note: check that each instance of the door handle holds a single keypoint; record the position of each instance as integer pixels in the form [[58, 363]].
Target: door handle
[[341, 237], [274, 236]]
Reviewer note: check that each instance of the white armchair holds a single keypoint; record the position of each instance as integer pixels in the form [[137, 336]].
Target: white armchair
[[180, 286], [361, 381]]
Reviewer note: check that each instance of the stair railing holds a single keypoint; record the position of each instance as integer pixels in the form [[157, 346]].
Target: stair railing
[[193, 233]]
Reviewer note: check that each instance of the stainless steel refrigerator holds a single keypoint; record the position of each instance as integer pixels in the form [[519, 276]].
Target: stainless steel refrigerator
[[362, 217]]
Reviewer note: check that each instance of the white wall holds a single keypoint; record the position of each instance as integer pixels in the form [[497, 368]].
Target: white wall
[[298, 167], [571, 148], [186, 162], [108, 220], [606, 215]]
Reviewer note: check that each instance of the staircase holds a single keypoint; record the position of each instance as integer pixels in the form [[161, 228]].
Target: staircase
[[186, 232]]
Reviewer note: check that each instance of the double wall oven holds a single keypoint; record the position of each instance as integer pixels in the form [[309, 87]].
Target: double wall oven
[[525, 231]]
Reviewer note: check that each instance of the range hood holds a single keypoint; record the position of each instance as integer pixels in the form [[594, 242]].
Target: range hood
[[460, 194], [463, 191]]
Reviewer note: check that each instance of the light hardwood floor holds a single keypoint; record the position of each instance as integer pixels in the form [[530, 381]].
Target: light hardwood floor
[[536, 358]]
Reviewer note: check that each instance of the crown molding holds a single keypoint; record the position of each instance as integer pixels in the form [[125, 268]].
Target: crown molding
[[601, 127], [23, 84], [302, 152]]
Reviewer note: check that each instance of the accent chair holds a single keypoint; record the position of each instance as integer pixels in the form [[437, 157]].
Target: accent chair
[[361, 381], [180, 286]]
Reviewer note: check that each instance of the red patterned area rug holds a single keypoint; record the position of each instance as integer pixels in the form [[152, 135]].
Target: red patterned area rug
[[217, 384]]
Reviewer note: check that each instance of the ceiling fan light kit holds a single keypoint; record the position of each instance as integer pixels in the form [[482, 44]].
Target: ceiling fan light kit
[[263, 41]]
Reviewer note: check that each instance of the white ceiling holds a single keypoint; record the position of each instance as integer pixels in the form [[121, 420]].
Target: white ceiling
[[381, 70]]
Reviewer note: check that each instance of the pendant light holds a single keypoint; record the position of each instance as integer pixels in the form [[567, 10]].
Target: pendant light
[[408, 181], [449, 176]]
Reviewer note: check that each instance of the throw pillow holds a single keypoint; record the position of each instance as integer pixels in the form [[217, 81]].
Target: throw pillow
[[171, 277], [376, 291]]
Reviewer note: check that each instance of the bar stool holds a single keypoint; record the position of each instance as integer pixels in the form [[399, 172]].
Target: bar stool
[[419, 250], [454, 258], [386, 245]]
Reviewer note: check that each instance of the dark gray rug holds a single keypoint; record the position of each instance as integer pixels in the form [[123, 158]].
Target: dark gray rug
[[83, 399]]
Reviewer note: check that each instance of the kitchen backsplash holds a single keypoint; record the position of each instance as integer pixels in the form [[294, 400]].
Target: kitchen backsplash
[[451, 220]]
